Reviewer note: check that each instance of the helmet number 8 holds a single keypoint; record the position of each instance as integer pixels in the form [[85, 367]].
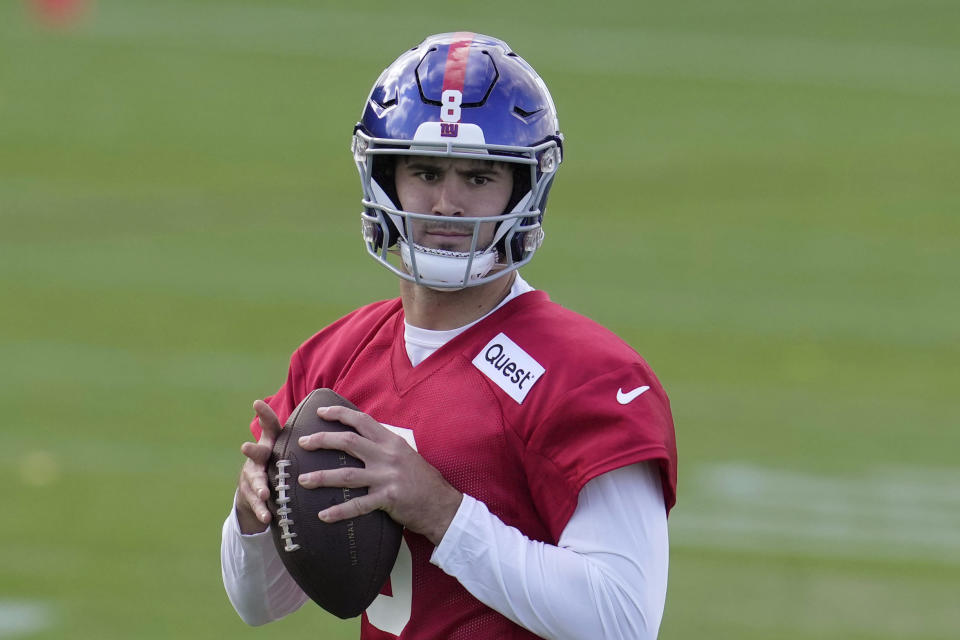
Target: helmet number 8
[[450, 109]]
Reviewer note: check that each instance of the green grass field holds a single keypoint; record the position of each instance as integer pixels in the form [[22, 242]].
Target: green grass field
[[761, 197]]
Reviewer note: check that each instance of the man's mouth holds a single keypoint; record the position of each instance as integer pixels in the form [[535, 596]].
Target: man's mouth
[[448, 236], [447, 233]]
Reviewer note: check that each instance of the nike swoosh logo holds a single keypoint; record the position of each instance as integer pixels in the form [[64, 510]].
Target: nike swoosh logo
[[630, 396]]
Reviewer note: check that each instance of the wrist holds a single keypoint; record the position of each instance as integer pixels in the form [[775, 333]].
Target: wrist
[[446, 512]]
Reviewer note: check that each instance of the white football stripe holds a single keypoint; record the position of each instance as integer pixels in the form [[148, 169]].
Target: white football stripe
[[900, 513], [18, 617]]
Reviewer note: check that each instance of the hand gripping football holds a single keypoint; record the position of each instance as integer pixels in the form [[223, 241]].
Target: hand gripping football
[[341, 565]]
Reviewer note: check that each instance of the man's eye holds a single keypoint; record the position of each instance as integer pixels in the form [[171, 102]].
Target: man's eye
[[480, 180], [428, 176]]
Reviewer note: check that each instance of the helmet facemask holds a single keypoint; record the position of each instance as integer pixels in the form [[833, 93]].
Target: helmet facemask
[[390, 232]]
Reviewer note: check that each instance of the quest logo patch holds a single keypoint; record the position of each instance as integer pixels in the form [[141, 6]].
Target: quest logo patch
[[510, 367]]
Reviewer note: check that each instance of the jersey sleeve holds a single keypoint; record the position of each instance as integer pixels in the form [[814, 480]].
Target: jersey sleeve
[[594, 428]]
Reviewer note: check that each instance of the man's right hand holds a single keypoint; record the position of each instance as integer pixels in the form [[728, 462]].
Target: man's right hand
[[253, 489]]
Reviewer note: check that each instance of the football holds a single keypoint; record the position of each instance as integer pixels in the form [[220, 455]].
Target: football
[[340, 565]]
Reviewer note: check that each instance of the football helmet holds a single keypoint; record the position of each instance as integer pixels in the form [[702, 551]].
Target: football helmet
[[457, 95]]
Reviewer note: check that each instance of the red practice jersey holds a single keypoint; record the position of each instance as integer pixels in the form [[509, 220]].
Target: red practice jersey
[[519, 411]]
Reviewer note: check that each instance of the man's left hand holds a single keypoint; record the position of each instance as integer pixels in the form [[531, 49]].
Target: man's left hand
[[397, 478]]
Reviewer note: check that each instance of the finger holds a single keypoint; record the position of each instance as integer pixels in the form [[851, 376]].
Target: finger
[[259, 509], [349, 509], [256, 479], [258, 453], [255, 504], [364, 424], [350, 477], [268, 421], [348, 441]]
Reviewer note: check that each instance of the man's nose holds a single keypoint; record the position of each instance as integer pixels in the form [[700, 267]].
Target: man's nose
[[449, 200]]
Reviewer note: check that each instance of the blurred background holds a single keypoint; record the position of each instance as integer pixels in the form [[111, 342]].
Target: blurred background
[[760, 196]]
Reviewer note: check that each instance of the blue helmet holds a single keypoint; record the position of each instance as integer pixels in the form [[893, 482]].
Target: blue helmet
[[459, 95]]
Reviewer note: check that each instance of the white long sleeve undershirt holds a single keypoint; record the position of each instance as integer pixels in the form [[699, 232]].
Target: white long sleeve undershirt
[[606, 578]]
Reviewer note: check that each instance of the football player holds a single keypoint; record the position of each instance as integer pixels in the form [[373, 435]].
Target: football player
[[528, 452]]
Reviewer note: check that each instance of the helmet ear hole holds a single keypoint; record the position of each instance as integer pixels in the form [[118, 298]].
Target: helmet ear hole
[[392, 234], [521, 185], [516, 246], [375, 229], [384, 172]]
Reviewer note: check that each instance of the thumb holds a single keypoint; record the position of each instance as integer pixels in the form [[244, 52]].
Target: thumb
[[269, 423]]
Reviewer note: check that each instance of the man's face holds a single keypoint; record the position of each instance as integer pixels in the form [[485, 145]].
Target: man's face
[[452, 189]]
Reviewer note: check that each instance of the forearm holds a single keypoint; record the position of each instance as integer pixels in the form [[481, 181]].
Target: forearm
[[254, 577], [611, 562]]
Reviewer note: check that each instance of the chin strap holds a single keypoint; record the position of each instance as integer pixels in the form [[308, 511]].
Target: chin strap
[[447, 268]]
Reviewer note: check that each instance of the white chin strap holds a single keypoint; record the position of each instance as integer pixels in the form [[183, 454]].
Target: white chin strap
[[447, 268]]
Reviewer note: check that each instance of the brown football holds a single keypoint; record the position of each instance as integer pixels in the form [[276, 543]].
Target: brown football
[[341, 565]]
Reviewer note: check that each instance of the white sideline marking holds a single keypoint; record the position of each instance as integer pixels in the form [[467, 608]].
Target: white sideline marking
[[19, 617], [894, 513]]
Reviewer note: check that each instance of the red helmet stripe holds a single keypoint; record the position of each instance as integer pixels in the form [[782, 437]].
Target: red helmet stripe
[[456, 70]]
